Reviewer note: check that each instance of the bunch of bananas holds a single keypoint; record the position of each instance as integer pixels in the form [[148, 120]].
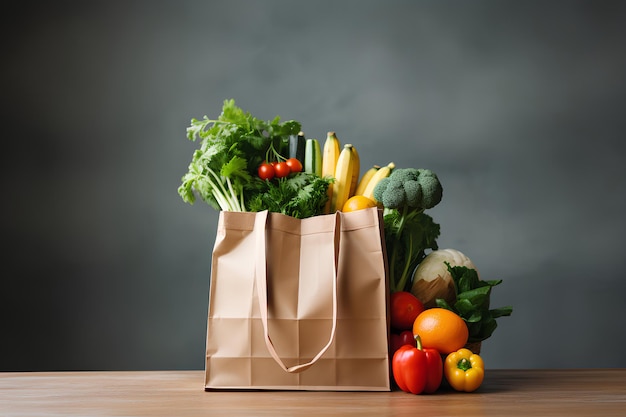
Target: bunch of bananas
[[342, 164]]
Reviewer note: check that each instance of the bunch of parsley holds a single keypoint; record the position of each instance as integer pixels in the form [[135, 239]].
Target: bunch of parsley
[[223, 171], [301, 195]]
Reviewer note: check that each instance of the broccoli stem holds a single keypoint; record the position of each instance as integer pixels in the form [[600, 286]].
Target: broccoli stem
[[407, 214], [402, 222], [399, 283], [407, 264]]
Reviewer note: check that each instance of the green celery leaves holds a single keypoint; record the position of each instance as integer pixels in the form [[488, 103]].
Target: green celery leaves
[[223, 171]]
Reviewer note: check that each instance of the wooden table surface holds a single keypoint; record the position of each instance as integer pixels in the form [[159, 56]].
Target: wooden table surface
[[576, 392]]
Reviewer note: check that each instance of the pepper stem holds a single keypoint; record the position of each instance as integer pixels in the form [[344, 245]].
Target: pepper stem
[[464, 364], [418, 341]]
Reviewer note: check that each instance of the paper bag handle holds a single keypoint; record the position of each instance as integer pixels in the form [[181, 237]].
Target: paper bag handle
[[261, 284]]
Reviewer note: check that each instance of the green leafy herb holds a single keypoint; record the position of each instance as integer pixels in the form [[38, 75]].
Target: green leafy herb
[[223, 170], [472, 302], [301, 195]]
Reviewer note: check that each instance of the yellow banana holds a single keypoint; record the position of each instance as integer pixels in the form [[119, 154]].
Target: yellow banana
[[329, 163], [379, 175], [343, 178], [365, 179], [356, 171]]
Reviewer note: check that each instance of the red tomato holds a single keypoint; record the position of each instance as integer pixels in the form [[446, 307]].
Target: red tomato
[[400, 339], [282, 169], [405, 307], [294, 164], [266, 171]]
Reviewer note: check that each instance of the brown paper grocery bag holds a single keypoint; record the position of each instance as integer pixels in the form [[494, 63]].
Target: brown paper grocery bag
[[298, 304]]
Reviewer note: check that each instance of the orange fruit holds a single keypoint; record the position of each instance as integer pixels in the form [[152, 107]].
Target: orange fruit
[[441, 329], [358, 202]]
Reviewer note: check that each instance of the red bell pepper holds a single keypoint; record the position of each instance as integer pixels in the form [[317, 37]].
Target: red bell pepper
[[417, 370], [400, 339]]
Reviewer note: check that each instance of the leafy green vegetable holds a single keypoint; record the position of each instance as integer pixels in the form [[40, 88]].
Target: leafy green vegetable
[[405, 194], [409, 188], [302, 195], [223, 171], [472, 302], [408, 234]]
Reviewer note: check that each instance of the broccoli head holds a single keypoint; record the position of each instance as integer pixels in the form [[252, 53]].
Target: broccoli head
[[409, 187]]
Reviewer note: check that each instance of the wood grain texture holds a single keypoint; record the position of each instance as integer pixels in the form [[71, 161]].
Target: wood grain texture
[[576, 392]]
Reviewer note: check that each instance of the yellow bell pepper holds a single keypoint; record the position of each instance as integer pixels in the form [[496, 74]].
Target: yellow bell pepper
[[464, 370]]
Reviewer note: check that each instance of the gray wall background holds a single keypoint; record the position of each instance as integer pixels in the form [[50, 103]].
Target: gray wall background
[[518, 106]]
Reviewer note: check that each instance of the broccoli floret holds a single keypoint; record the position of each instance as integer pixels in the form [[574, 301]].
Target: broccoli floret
[[415, 188], [409, 232]]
